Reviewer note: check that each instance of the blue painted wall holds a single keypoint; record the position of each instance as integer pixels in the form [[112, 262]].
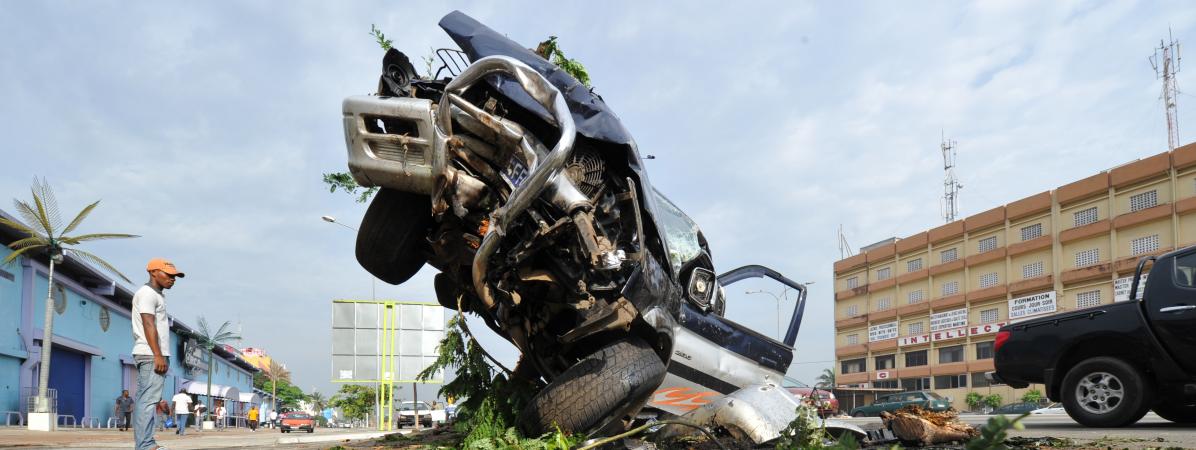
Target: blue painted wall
[[11, 348]]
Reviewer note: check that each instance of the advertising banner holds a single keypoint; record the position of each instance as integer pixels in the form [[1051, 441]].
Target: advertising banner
[[1121, 288], [882, 332], [988, 328], [949, 319], [1032, 305]]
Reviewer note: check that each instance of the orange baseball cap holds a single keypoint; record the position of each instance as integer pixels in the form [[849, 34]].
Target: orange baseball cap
[[163, 265]]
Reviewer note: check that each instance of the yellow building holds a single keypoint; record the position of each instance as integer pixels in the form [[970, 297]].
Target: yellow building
[[922, 312], [257, 357]]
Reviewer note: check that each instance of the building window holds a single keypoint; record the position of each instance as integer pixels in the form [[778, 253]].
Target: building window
[[852, 311], [978, 380], [988, 280], [950, 288], [854, 365], [988, 316], [915, 296], [951, 381], [1145, 244], [886, 362], [915, 359], [988, 244], [853, 282], [1085, 217], [1032, 270], [915, 384], [1031, 232], [1148, 199], [885, 384], [1088, 299], [1087, 257], [913, 266], [949, 255], [951, 354], [884, 274], [915, 328], [853, 339], [984, 350], [884, 303]]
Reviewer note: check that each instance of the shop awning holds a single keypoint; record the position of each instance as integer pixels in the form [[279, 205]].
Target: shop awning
[[218, 390], [250, 397]]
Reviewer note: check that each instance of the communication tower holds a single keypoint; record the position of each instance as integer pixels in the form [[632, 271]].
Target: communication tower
[[1165, 62], [951, 186]]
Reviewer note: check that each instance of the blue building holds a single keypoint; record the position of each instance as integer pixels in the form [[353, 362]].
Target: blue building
[[90, 361]]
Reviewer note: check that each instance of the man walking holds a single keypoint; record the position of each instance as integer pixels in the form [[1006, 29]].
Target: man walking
[[151, 348], [182, 411], [124, 409]]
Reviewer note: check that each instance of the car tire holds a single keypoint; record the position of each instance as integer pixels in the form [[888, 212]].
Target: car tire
[[595, 393], [391, 243], [857, 414], [1105, 392], [1176, 413]]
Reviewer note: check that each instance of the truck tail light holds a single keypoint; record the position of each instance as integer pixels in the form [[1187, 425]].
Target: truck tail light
[[1002, 336]]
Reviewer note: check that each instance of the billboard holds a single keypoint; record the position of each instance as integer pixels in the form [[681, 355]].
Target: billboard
[[384, 341]]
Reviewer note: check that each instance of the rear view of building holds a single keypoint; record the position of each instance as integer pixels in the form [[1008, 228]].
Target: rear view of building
[[922, 312]]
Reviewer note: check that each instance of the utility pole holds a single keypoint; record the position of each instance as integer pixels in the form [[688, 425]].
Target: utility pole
[[951, 184], [1165, 62]]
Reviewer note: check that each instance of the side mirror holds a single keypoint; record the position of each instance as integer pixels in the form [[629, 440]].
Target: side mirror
[[701, 287]]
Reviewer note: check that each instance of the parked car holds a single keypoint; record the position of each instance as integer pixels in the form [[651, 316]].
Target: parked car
[[296, 420], [892, 402], [1016, 409], [427, 416], [1053, 408], [827, 404], [1109, 364], [525, 191]]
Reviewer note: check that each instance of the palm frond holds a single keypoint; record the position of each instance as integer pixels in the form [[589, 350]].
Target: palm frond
[[43, 217], [97, 261], [13, 256], [79, 218], [32, 241], [30, 215], [50, 202], [75, 240], [20, 227]]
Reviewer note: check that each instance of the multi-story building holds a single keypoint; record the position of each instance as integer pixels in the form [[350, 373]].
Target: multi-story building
[[922, 312]]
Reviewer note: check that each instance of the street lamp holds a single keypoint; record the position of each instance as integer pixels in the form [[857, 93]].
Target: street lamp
[[373, 279], [784, 295]]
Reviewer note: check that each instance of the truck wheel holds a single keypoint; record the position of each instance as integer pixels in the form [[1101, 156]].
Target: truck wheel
[[1176, 413], [597, 391], [1105, 392], [391, 242]]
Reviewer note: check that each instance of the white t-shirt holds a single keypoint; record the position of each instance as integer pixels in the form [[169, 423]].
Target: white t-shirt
[[182, 403], [148, 300]]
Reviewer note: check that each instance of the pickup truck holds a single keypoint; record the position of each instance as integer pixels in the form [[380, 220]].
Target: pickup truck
[[427, 415], [1110, 364]]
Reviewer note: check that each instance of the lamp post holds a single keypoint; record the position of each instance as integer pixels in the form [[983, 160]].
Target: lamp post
[[373, 296], [784, 296]]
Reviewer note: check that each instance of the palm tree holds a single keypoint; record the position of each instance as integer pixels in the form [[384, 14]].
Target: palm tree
[[47, 234], [209, 340], [827, 379], [317, 401], [275, 371]]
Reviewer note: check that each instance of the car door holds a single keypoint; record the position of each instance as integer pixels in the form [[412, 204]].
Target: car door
[[1171, 306]]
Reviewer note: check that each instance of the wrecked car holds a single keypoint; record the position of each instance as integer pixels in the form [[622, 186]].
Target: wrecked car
[[525, 191]]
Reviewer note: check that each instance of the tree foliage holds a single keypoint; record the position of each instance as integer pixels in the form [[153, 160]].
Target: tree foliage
[[345, 182], [974, 400], [355, 401], [209, 339], [287, 394], [826, 380], [380, 38], [994, 400], [551, 51], [1032, 396]]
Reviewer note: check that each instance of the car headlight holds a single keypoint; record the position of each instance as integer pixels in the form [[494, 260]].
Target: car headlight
[[701, 287]]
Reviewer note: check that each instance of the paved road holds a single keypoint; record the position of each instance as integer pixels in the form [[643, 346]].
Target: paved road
[[241, 438], [1146, 433]]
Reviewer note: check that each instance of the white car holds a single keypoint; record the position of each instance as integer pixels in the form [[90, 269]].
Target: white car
[[1053, 408], [427, 415]]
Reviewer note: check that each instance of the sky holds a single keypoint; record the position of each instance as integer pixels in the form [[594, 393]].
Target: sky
[[204, 127]]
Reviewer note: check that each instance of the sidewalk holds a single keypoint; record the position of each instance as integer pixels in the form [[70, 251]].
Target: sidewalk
[[230, 438]]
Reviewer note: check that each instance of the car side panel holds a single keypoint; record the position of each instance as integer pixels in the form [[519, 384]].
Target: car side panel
[[701, 371]]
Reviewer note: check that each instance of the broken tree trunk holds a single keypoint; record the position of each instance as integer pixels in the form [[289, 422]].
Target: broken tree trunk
[[914, 424]]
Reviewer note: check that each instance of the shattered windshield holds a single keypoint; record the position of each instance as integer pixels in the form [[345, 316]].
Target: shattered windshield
[[680, 232]]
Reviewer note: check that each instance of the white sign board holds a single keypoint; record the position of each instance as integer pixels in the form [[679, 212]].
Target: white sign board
[[1121, 288], [949, 319], [380, 340], [882, 332], [988, 328], [1032, 305]]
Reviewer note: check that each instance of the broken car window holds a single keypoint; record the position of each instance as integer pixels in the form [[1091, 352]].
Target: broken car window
[[680, 231]]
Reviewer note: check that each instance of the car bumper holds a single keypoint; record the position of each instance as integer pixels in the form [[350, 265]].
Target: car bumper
[[993, 378]]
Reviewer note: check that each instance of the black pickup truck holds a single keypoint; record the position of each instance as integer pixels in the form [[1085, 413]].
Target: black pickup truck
[[1109, 364]]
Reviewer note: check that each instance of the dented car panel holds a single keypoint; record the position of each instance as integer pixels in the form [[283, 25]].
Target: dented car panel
[[757, 412]]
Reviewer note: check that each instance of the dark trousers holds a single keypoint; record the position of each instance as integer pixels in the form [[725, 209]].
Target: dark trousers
[[253, 425], [127, 421]]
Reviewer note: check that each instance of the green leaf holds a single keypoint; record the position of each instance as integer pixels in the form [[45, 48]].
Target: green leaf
[[13, 256], [79, 217], [20, 227], [383, 42], [97, 261]]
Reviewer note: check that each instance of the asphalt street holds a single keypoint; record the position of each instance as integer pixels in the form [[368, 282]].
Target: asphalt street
[[1151, 431]]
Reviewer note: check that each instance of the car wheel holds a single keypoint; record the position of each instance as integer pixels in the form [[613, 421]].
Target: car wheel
[[857, 414], [1176, 413], [391, 242], [309, 430], [597, 391], [1105, 392]]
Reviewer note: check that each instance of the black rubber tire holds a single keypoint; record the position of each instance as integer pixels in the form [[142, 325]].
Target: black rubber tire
[[392, 241], [1137, 399], [596, 392], [1176, 413], [858, 415]]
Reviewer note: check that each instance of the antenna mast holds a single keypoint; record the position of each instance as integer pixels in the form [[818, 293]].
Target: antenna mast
[[844, 248], [951, 185], [1165, 62]]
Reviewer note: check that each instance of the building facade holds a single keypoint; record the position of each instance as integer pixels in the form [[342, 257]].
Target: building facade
[[91, 360], [922, 312]]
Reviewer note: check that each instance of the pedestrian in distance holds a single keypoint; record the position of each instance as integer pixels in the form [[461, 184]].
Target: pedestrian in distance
[[220, 413], [273, 419], [163, 411], [182, 411], [200, 410], [253, 412], [124, 410], [151, 348]]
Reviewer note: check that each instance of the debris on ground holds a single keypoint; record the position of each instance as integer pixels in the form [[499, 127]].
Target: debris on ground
[[1038, 442], [914, 424]]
